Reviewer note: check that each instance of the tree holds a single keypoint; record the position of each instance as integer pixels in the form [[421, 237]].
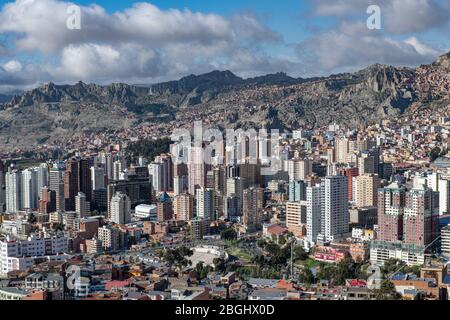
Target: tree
[[300, 253], [202, 270], [435, 153], [32, 218], [391, 266], [306, 276], [219, 264], [147, 148], [228, 234], [178, 257], [345, 269], [387, 291]]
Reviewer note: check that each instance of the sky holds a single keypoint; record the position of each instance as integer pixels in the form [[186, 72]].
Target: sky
[[149, 42]]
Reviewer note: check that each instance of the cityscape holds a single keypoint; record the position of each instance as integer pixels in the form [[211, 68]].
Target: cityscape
[[227, 187]]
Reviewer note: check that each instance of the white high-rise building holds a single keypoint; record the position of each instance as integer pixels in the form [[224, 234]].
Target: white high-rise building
[[180, 185], [120, 208], [444, 196], [156, 172], [313, 212], [13, 181], [445, 241], [205, 203], [82, 207], [30, 191], [335, 214], [118, 167], [299, 169]]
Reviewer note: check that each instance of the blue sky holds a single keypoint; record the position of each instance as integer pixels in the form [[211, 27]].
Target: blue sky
[[146, 42]]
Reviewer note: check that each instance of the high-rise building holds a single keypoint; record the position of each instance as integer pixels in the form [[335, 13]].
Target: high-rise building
[[120, 208], [295, 215], [85, 181], [164, 208], [47, 202], [196, 168], [2, 187], [250, 173], [368, 161], [97, 178], [297, 191], [110, 238], [180, 185], [71, 184], [299, 169], [252, 208], [314, 208], [341, 149], [444, 196], [350, 173], [138, 189], [445, 241], [235, 188], [220, 178], [407, 224], [82, 207], [42, 180], [13, 180], [391, 204], [56, 183], [421, 217], [365, 190], [161, 171], [118, 167], [335, 215], [184, 207], [199, 227], [205, 203], [232, 208], [30, 192]]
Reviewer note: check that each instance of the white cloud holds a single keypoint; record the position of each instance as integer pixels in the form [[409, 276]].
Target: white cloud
[[353, 46], [140, 43], [12, 66], [398, 16]]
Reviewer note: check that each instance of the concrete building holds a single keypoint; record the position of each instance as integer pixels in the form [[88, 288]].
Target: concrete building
[[20, 255], [297, 191], [445, 241], [110, 238], [314, 199], [205, 203], [30, 191], [299, 169], [335, 212], [120, 208], [183, 207], [199, 228], [365, 190], [13, 182], [252, 208], [82, 207], [146, 212]]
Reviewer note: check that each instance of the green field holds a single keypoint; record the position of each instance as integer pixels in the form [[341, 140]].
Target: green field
[[240, 253]]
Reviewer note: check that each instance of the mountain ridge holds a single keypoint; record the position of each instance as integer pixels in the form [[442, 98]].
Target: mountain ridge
[[52, 112]]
